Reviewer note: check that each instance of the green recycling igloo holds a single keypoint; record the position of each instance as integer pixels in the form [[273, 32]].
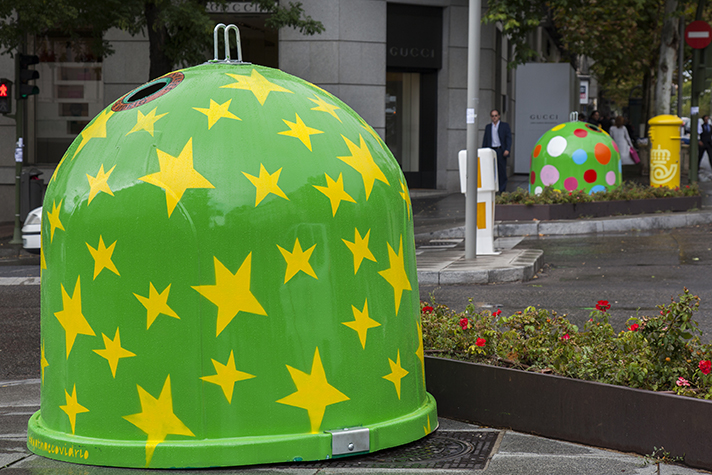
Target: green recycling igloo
[[575, 156], [228, 278]]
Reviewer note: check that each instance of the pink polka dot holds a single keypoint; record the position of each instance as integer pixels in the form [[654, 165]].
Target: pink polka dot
[[580, 133], [571, 183], [549, 175], [615, 145], [611, 178]]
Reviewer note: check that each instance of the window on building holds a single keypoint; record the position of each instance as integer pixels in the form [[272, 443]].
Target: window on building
[[71, 93]]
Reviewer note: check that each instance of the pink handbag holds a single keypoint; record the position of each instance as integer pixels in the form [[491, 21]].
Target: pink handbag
[[634, 155]]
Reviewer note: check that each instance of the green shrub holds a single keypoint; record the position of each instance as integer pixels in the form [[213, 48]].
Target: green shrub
[[624, 192], [660, 353]]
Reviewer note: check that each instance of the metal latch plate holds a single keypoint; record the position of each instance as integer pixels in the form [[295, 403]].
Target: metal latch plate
[[350, 440]]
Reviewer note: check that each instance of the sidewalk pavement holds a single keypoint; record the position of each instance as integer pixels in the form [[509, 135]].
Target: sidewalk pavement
[[439, 221], [455, 448]]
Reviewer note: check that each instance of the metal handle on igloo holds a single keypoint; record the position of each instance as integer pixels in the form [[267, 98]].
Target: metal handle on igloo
[[573, 116], [227, 43]]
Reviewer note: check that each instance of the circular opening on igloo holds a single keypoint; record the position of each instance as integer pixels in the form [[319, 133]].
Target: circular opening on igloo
[[148, 92]]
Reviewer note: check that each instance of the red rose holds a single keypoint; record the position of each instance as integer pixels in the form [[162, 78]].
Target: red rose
[[463, 323], [565, 337], [480, 342], [634, 327], [497, 313], [427, 309], [603, 305], [705, 366]]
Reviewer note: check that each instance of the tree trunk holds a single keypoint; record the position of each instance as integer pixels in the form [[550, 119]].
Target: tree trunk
[[157, 38], [668, 58]]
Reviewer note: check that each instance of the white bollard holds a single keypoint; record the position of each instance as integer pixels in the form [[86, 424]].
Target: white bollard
[[487, 185]]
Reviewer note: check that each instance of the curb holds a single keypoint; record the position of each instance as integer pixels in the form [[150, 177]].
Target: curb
[[587, 226], [450, 267]]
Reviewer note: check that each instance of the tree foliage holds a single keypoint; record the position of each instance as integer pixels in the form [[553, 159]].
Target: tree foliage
[[179, 31], [622, 37]]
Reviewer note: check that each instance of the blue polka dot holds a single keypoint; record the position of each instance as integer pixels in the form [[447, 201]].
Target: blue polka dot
[[580, 156], [597, 188]]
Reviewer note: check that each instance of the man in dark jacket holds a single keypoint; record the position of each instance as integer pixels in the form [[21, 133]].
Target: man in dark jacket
[[501, 142], [705, 139]]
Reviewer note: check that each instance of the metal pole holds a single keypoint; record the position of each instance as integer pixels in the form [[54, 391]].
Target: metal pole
[[473, 90], [680, 57], [19, 124], [694, 102]]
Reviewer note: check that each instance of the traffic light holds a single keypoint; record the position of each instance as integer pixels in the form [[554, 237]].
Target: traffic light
[[24, 75], [5, 96]]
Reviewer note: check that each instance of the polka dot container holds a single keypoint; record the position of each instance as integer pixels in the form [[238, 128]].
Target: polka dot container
[[575, 156]]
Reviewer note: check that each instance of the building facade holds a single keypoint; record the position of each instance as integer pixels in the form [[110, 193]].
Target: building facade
[[401, 65]]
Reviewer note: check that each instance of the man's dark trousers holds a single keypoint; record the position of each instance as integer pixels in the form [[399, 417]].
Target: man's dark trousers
[[706, 139]]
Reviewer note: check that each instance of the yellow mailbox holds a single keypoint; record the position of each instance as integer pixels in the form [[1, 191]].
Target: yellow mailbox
[[665, 151]]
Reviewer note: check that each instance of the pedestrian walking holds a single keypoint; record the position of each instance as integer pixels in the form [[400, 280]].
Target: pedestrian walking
[[619, 133], [704, 132], [593, 119], [498, 136]]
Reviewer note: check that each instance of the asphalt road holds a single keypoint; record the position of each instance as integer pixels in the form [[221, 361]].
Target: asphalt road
[[634, 271]]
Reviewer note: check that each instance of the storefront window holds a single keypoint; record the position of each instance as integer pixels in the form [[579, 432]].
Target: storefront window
[[71, 93], [403, 118]]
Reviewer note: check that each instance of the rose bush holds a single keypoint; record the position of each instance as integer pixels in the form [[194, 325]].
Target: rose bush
[[660, 353]]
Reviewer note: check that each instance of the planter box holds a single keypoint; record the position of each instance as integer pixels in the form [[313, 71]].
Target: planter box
[[594, 209], [602, 415]]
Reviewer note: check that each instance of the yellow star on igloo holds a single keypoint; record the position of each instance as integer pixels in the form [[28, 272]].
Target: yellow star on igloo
[[301, 131], [266, 184], [177, 175], [72, 407], [146, 122], [323, 106], [98, 183], [297, 260], [53, 216], [102, 257], [43, 361], [95, 130], [359, 248], [156, 304], [256, 83], [157, 419], [362, 161], [231, 293], [361, 323], [406, 197], [334, 190], [71, 317], [395, 274], [420, 352], [314, 393], [397, 373], [113, 351], [226, 375], [217, 111]]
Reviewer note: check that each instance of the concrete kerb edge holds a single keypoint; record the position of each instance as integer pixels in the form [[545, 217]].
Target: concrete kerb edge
[[566, 227], [523, 268]]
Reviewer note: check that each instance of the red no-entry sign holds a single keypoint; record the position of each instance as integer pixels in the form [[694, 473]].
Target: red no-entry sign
[[698, 34]]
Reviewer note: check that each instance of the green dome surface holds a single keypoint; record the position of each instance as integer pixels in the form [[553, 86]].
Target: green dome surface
[[575, 156], [228, 273]]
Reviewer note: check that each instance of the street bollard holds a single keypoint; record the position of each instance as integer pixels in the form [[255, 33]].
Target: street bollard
[[487, 185], [230, 280], [665, 150]]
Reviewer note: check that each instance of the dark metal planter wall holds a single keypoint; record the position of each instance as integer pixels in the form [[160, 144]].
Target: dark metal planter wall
[[602, 415], [594, 209]]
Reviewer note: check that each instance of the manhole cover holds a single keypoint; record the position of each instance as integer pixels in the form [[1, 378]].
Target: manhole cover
[[460, 450]]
